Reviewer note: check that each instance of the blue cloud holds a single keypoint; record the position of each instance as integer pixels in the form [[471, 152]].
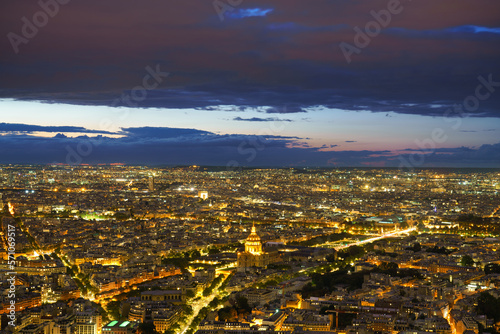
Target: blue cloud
[[28, 128], [464, 30], [290, 109], [474, 29], [249, 12], [486, 155], [297, 28], [259, 119], [174, 146], [283, 26], [161, 132]]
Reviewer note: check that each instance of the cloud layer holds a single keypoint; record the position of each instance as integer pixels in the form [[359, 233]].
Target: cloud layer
[[272, 53], [172, 146]]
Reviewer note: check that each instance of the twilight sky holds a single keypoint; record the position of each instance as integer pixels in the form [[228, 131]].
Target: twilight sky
[[251, 83]]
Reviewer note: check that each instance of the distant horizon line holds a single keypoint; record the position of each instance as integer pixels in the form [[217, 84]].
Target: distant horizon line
[[229, 169]]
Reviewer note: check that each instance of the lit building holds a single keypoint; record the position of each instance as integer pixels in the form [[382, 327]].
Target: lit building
[[164, 318], [259, 297], [253, 256], [467, 324], [203, 194], [151, 184], [88, 322], [120, 327], [88, 328], [35, 329], [63, 325], [171, 296], [308, 321]]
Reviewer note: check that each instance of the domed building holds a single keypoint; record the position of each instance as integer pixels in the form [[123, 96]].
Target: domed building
[[253, 256], [253, 244]]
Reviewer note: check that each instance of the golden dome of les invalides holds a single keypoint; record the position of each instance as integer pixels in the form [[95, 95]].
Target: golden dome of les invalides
[[253, 244], [253, 256]]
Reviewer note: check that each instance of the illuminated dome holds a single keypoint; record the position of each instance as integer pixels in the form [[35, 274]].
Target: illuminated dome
[[253, 244]]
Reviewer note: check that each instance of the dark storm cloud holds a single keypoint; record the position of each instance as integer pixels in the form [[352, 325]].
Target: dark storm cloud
[[466, 32], [248, 12], [285, 110], [216, 151], [174, 146], [267, 54], [259, 119], [161, 132], [487, 155], [26, 128]]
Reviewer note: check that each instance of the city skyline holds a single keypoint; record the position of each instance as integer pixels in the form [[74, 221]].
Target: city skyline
[[196, 250]]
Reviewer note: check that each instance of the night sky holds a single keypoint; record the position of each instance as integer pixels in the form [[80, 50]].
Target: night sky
[[251, 83]]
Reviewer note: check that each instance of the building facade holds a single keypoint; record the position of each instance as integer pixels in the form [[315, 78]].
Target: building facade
[[253, 256]]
